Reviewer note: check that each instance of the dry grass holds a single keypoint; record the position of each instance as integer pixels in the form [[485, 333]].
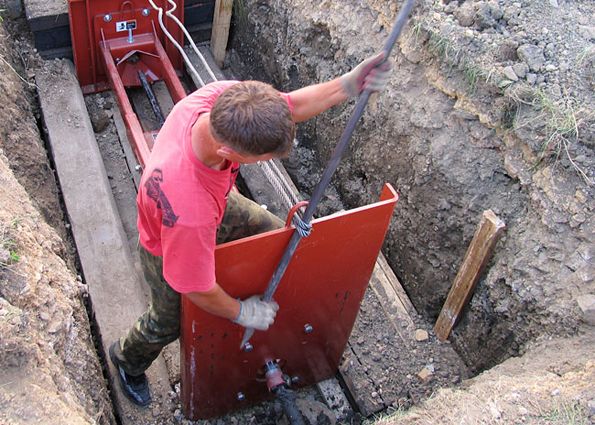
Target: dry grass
[[563, 121]]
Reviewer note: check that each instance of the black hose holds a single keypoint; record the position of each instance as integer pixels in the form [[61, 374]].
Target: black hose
[[287, 399]]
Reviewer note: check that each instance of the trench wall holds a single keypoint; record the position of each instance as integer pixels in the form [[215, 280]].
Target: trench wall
[[451, 154]]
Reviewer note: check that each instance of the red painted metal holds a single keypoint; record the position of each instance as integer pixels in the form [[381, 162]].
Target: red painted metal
[[122, 65], [88, 27], [106, 58], [322, 287]]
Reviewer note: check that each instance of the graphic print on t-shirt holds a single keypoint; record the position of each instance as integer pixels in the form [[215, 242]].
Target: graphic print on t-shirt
[[153, 185]]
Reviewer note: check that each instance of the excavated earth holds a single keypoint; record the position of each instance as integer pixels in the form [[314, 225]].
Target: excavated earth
[[491, 106]]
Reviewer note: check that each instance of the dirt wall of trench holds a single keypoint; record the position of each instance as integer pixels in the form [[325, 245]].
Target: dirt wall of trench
[[455, 137], [49, 369]]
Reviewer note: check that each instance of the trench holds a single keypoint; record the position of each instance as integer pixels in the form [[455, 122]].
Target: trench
[[434, 138], [373, 349], [447, 166], [440, 203]]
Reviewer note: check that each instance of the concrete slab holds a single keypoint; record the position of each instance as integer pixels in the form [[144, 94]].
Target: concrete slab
[[105, 257]]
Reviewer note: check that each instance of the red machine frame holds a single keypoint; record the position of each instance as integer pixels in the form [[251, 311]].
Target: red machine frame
[[112, 41]]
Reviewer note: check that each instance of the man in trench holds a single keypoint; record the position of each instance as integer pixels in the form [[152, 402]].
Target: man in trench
[[187, 203]]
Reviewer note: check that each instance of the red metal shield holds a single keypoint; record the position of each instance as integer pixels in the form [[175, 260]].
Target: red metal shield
[[322, 287]]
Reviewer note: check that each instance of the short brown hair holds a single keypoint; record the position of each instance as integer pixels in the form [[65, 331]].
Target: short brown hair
[[253, 118]]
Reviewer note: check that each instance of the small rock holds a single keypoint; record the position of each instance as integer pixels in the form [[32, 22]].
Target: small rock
[[421, 335], [550, 68], [554, 3], [591, 406], [588, 32], [485, 17], [555, 392], [580, 196], [532, 55], [510, 74], [520, 69], [44, 315], [531, 78], [465, 14], [374, 394], [495, 411], [587, 305], [425, 374], [4, 255]]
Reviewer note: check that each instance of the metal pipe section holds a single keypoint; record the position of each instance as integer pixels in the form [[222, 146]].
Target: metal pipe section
[[152, 99], [331, 167], [286, 397]]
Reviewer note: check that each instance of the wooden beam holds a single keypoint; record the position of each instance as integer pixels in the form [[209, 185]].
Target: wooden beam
[[220, 31], [479, 252]]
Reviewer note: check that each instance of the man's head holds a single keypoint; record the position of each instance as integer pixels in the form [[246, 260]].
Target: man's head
[[253, 119]]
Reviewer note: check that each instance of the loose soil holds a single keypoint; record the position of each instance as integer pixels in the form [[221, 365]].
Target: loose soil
[[456, 133], [490, 106], [50, 369]]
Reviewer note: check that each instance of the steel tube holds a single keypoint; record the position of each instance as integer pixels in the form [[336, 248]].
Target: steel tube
[[152, 99]]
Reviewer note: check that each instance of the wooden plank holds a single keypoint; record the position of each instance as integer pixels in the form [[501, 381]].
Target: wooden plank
[[133, 165], [403, 299], [478, 254], [102, 246], [395, 311], [334, 397], [220, 32]]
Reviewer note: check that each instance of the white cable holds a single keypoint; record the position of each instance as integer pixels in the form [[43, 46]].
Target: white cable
[[175, 43], [169, 13]]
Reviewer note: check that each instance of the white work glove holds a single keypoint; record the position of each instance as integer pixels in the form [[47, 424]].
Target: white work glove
[[372, 74], [256, 313]]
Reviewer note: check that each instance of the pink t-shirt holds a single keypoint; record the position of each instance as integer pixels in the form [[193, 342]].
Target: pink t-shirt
[[181, 201]]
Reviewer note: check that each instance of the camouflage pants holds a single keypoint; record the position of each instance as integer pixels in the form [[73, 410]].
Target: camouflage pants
[[160, 324]]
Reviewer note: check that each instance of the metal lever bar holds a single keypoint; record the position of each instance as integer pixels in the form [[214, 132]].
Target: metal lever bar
[[400, 21]]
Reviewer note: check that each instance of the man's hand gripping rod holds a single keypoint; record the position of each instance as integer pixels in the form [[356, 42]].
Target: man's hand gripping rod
[[330, 168]]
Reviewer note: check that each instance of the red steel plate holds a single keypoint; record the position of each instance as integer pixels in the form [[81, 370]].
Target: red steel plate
[[323, 287]]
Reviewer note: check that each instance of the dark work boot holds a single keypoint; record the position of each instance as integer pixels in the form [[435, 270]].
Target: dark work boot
[[135, 387]]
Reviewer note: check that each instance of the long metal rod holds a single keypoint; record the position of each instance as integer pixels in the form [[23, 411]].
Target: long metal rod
[[331, 166], [152, 99]]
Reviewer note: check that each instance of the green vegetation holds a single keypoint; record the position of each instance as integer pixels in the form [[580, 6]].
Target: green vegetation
[[447, 52], [7, 243], [569, 413], [559, 121]]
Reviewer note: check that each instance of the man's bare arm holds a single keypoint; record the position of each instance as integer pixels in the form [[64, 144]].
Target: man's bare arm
[[216, 301], [315, 99]]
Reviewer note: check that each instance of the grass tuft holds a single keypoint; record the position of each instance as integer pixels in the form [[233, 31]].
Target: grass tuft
[[7, 243], [568, 413]]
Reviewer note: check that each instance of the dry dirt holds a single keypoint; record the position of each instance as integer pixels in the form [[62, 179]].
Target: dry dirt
[[456, 134], [50, 372], [553, 383]]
